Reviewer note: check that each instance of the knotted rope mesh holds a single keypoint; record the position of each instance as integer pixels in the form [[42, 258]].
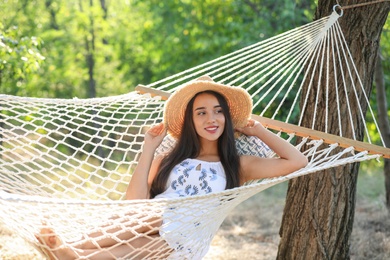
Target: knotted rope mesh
[[68, 172], [65, 164]]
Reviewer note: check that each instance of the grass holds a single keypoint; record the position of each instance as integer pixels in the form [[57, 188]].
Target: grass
[[371, 181]]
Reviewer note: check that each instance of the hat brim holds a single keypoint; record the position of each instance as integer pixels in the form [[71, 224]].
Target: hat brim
[[238, 100]]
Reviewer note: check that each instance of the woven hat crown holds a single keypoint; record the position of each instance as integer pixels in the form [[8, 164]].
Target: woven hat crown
[[238, 100]]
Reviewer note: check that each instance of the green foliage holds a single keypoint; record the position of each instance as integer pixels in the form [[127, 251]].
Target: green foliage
[[19, 57], [75, 48], [115, 45], [193, 32], [385, 59], [385, 52]]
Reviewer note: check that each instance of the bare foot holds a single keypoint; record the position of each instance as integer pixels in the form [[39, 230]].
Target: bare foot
[[53, 247]]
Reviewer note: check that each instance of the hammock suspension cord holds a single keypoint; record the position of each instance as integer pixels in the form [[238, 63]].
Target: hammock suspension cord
[[65, 164]]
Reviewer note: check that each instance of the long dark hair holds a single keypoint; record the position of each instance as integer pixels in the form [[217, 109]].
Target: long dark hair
[[188, 146]]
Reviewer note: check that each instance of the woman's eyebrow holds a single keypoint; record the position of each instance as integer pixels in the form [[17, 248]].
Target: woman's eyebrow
[[200, 108]]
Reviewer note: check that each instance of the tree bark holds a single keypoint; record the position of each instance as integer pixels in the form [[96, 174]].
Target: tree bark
[[383, 120], [318, 216]]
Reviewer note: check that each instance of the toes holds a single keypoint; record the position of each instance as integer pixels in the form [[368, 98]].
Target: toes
[[47, 237]]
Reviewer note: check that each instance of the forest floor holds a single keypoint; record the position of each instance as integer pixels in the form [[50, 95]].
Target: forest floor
[[251, 230]]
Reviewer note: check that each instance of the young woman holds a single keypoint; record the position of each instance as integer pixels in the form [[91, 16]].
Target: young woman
[[203, 117]]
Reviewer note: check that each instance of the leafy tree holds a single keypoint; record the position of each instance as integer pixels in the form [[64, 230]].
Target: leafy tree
[[109, 47], [189, 33], [19, 57]]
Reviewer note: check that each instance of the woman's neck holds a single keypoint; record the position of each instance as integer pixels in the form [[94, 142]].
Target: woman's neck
[[209, 151]]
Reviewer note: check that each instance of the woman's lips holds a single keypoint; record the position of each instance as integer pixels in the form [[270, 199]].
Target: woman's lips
[[211, 129]]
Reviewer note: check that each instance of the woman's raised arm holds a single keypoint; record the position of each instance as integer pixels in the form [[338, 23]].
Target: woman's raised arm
[[146, 170], [290, 159]]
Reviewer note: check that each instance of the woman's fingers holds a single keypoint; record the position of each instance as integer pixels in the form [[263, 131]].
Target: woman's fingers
[[157, 129], [252, 123]]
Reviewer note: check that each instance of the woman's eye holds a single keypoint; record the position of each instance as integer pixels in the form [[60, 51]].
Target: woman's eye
[[218, 111]]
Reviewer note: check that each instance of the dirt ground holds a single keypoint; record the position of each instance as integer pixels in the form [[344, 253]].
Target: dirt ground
[[251, 231]]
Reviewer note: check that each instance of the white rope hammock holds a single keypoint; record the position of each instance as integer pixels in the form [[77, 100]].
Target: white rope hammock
[[65, 164]]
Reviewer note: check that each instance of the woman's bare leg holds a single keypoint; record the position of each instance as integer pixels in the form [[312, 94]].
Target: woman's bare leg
[[148, 247], [120, 230], [137, 248]]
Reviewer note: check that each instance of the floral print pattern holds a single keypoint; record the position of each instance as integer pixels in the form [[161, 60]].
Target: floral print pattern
[[195, 177]]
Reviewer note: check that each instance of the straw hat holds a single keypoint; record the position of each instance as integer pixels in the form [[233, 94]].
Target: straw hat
[[238, 99]]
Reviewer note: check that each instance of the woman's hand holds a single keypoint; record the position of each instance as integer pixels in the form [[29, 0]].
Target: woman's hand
[[252, 128], [289, 158], [146, 170], [155, 135]]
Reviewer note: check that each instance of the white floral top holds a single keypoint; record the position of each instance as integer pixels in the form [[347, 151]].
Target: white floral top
[[194, 177]]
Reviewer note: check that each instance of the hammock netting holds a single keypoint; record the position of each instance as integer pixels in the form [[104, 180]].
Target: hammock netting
[[65, 163]]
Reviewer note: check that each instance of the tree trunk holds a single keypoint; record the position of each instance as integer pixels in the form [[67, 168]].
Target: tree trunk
[[90, 56], [383, 120], [319, 212], [53, 13]]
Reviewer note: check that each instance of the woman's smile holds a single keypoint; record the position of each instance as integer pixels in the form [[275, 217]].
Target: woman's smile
[[208, 117], [212, 129]]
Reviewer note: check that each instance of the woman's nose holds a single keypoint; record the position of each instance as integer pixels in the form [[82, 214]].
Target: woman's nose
[[211, 117]]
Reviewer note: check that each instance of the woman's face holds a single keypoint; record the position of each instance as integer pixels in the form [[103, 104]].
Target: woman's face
[[208, 117]]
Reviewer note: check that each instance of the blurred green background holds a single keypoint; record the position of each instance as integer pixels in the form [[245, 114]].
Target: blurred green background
[[98, 48]]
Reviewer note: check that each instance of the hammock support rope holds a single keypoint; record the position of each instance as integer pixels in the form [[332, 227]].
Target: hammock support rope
[[280, 126], [65, 163]]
